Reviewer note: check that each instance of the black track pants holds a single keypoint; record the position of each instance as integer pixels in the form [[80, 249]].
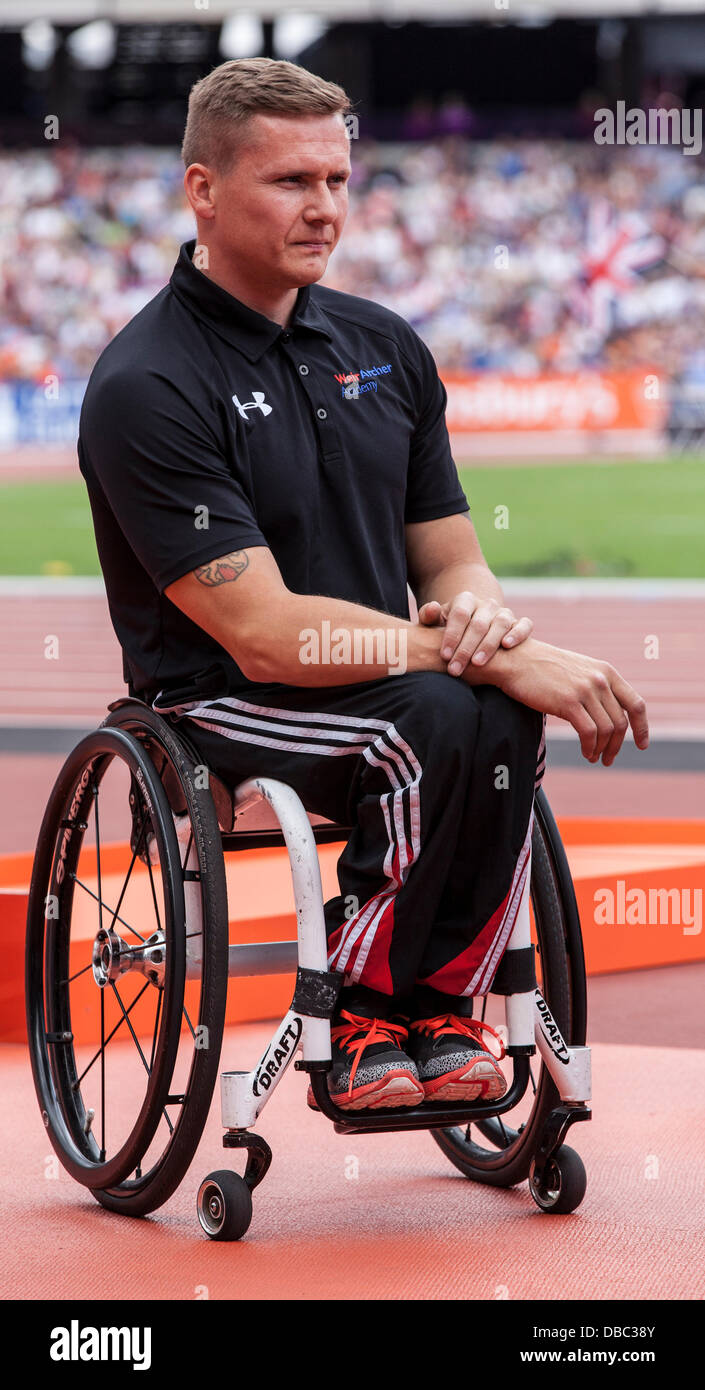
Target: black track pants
[[438, 780]]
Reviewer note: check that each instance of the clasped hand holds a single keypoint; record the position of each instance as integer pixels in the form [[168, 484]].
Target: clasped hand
[[474, 629], [588, 693]]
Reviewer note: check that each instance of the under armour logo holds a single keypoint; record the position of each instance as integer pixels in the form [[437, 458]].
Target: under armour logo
[[257, 403]]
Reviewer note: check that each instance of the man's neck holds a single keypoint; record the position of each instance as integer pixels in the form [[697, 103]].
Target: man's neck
[[277, 307]]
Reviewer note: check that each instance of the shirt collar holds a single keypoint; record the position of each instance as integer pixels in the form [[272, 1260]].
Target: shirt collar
[[242, 327]]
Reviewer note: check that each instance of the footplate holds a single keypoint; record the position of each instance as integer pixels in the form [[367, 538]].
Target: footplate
[[428, 1115]]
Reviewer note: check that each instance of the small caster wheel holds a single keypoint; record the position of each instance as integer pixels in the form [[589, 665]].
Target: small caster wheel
[[224, 1205], [563, 1181]]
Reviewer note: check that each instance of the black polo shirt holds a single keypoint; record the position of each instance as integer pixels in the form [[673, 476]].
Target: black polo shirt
[[207, 428]]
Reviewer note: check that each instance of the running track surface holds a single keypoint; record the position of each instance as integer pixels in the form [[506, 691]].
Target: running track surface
[[409, 1226]]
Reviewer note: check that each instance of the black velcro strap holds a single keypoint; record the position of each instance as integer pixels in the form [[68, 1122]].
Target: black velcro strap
[[516, 972], [316, 992]]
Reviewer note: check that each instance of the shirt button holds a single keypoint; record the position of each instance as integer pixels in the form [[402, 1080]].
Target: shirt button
[[321, 413], [303, 368], [285, 337]]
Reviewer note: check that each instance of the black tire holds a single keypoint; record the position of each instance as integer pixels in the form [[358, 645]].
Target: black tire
[[563, 1182], [161, 1141], [505, 1155], [224, 1205]]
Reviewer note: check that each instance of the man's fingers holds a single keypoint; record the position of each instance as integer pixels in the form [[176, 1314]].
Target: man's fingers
[[608, 704], [584, 726], [604, 725], [466, 612], [620, 724], [467, 630], [475, 629], [501, 624], [522, 628], [431, 613], [635, 707]]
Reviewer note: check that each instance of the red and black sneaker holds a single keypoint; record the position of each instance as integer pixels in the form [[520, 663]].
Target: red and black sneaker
[[370, 1070], [452, 1061]]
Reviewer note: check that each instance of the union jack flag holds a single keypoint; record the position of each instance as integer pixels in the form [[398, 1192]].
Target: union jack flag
[[617, 246]]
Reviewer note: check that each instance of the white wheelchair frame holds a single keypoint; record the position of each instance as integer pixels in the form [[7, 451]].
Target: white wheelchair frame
[[306, 1025]]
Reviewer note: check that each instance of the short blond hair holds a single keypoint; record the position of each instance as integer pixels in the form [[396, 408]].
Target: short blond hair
[[221, 104]]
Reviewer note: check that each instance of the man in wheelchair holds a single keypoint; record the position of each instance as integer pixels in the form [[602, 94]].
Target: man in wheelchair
[[269, 469]]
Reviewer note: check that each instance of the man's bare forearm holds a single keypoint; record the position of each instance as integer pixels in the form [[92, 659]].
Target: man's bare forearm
[[313, 640]]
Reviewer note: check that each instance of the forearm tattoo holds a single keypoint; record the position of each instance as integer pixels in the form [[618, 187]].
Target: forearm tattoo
[[224, 569]]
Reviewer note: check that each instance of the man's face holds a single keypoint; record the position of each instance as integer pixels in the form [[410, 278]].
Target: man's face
[[281, 207]]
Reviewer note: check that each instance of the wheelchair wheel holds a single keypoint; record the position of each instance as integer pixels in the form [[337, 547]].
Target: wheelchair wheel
[[499, 1151], [127, 960]]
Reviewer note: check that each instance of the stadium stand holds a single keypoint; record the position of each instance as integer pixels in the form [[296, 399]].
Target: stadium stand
[[597, 253]]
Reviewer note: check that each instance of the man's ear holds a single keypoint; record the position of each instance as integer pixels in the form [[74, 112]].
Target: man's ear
[[198, 187]]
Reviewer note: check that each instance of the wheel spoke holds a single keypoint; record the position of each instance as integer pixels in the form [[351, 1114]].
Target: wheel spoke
[[156, 1028], [135, 1039], [111, 1035], [139, 1049], [94, 789], [115, 915], [127, 878], [166, 1117], [71, 978], [507, 1140], [154, 894], [188, 849]]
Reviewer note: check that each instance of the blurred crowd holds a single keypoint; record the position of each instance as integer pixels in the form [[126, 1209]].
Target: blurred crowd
[[510, 255]]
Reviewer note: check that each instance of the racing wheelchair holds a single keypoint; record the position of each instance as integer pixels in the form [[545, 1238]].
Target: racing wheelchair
[[127, 968]]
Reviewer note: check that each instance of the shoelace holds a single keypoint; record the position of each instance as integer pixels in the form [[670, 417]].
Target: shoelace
[[358, 1033], [453, 1023]]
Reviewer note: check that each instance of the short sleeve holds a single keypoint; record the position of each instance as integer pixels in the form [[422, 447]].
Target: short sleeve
[[433, 485], [163, 474]]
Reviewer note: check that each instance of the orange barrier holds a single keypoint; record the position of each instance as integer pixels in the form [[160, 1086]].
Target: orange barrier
[[587, 400], [639, 885], [13, 906]]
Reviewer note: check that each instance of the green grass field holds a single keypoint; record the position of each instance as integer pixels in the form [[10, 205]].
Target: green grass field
[[636, 519], [632, 519]]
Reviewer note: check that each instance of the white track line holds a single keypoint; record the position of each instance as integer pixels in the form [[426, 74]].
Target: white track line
[[61, 586]]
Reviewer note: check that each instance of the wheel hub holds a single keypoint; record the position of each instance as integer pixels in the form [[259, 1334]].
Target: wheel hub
[[211, 1207], [112, 957]]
